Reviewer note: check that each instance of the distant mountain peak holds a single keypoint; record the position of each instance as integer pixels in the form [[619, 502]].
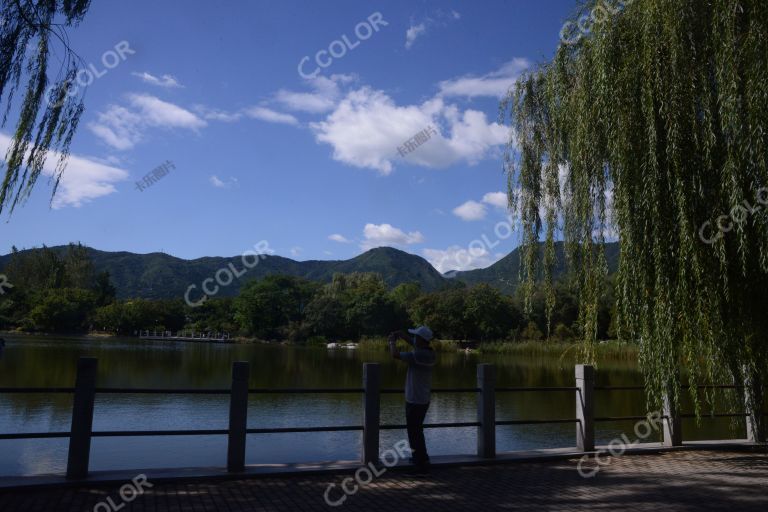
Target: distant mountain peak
[[159, 275]]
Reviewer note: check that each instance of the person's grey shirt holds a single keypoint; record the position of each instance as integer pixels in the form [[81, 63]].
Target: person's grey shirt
[[418, 382]]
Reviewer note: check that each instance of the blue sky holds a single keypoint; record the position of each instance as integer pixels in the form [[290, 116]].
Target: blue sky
[[308, 163]]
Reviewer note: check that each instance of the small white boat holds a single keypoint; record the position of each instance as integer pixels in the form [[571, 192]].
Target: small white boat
[[348, 346]]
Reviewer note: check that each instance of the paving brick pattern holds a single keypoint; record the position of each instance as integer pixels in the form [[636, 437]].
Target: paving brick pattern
[[688, 480]]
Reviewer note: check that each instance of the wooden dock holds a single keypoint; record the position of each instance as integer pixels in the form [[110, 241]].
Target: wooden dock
[[188, 336]]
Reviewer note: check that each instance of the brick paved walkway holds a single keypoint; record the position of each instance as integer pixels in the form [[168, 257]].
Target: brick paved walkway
[[687, 480]]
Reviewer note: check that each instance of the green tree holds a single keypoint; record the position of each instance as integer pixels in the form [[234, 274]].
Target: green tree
[[532, 332], [78, 268], [659, 118], [214, 315], [369, 308], [405, 294], [63, 310], [563, 333], [48, 115], [352, 306], [111, 318], [444, 312], [325, 317], [490, 314], [105, 290], [266, 307], [127, 317], [36, 270]]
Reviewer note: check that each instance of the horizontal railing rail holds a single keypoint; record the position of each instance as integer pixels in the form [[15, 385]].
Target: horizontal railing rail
[[625, 418], [537, 422], [85, 390], [619, 388], [37, 390], [527, 389]]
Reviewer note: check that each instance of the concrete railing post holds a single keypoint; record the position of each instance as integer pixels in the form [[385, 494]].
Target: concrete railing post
[[673, 423], [82, 419], [585, 407], [238, 417], [371, 412], [486, 411]]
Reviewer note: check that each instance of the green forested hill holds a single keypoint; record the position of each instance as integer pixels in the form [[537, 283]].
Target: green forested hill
[[504, 274], [159, 275]]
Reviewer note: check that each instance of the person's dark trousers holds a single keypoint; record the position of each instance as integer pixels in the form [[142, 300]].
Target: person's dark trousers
[[414, 417]]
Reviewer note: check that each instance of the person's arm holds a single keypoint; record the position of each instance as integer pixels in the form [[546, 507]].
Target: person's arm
[[406, 337], [393, 346]]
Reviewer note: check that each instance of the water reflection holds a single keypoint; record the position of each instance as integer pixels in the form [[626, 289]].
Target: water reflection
[[50, 362]]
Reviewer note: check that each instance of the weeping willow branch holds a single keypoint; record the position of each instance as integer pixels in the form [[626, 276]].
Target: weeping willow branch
[[47, 116], [654, 124]]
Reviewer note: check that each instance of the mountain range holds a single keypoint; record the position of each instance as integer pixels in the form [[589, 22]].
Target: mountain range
[[159, 275]]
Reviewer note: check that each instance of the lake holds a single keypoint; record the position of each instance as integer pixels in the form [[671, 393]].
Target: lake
[[51, 362]]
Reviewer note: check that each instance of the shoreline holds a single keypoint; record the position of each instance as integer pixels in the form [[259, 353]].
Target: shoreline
[[567, 350]]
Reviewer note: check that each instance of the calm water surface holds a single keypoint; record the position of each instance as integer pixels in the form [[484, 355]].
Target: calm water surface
[[51, 362]]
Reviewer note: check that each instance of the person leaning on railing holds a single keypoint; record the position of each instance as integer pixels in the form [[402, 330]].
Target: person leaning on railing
[[418, 384]]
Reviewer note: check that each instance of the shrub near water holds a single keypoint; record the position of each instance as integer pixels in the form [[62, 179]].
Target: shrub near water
[[381, 344], [605, 350]]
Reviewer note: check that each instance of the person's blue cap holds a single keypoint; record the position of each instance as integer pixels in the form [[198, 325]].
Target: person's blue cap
[[422, 331]]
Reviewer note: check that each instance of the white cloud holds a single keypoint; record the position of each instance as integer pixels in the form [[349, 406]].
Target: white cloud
[[271, 116], [378, 235], [160, 113], [123, 127], [497, 199], [168, 81], [214, 114], [255, 112], [219, 183], [296, 251], [471, 210], [304, 101], [83, 180], [460, 258], [367, 127], [440, 18], [339, 238], [117, 127], [413, 32], [324, 98], [494, 84]]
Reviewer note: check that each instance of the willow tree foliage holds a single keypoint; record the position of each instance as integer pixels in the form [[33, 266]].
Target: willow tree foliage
[[653, 128], [48, 112]]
